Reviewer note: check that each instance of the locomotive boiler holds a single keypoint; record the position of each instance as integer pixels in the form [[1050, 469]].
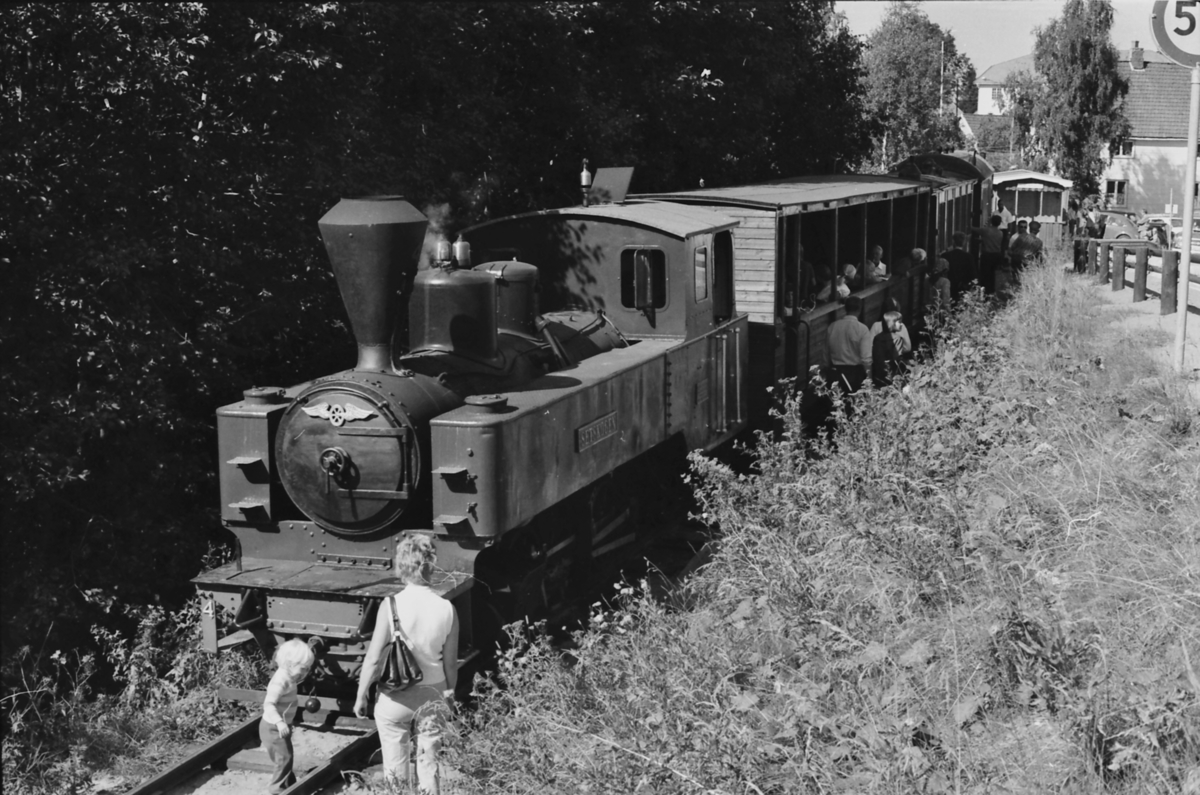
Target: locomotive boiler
[[510, 410]]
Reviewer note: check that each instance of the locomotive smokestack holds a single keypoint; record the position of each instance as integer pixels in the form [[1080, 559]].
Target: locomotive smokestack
[[374, 244]]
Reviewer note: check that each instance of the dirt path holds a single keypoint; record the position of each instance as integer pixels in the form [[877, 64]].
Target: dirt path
[[1145, 321]]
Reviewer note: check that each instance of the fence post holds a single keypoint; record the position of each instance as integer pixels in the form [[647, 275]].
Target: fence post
[[1118, 268], [1093, 252], [1140, 263], [1104, 261], [1170, 279]]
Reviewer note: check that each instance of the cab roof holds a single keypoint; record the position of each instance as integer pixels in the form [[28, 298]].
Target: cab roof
[[676, 220]]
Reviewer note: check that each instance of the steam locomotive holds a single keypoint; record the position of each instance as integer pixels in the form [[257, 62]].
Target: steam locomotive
[[513, 410], [528, 404]]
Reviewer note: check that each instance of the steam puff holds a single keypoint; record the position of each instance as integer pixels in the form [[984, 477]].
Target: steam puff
[[439, 219]]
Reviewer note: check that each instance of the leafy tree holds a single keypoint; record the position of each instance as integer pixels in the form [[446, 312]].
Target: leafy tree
[[1080, 108], [967, 92], [162, 167], [913, 67]]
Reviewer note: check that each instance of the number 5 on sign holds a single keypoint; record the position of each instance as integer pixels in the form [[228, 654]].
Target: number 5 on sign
[[1176, 28]]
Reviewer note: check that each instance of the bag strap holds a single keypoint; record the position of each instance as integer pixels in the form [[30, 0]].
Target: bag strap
[[396, 622]]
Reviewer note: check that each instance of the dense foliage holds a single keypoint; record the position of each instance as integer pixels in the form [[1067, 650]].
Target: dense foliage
[[988, 586], [915, 78], [162, 168]]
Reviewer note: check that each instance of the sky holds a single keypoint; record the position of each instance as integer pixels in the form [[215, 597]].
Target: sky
[[991, 31]]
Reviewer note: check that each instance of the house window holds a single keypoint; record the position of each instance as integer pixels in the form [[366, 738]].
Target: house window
[[1122, 148], [997, 94], [701, 274], [1114, 192], [657, 262]]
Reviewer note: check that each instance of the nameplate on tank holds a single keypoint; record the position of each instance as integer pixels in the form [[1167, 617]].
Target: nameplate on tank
[[595, 432]]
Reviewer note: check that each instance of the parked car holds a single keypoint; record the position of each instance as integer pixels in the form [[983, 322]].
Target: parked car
[[1118, 226], [1177, 234]]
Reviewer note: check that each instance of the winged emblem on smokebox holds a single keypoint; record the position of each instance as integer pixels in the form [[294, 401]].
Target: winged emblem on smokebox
[[338, 415]]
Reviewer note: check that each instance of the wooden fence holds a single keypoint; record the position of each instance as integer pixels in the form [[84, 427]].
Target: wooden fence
[[1109, 261]]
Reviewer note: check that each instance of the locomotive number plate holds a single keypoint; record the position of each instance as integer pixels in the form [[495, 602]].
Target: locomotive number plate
[[595, 432]]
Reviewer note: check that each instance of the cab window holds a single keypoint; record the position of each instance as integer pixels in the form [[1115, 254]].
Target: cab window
[[656, 262], [700, 272]]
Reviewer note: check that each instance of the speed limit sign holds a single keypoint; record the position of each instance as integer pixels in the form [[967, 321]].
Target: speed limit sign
[[1176, 28]]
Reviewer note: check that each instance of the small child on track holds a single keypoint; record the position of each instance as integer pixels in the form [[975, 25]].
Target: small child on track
[[294, 660]]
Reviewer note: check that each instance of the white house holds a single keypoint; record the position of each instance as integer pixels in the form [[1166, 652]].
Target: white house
[[993, 100], [1147, 169]]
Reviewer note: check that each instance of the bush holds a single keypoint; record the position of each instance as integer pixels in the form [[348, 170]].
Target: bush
[[60, 730]]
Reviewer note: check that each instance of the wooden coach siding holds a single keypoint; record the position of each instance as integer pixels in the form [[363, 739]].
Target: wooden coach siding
[[754, 258]]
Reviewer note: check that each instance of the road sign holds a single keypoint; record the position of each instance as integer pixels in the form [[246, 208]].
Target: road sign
[[1176, 28]]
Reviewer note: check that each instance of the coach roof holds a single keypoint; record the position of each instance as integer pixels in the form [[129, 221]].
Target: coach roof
[[805, 192], [676, 220]]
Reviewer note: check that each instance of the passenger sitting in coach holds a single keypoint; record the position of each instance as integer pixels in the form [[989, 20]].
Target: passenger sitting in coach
[[833, 289], [913, 260], [850, 347], [874, 269], [851, 276]]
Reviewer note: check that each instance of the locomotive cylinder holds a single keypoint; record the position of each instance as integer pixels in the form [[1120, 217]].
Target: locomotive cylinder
[[373, 244]]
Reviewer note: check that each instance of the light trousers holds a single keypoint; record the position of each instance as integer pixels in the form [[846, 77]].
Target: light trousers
[[395, 714]]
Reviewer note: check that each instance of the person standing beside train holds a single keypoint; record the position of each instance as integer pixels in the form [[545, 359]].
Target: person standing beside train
[[850, 346], [903, 341], [991, 252], [962, 264], [293, 660], [430, 623]]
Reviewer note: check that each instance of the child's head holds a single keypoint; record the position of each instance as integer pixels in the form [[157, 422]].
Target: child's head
[[295, 658]]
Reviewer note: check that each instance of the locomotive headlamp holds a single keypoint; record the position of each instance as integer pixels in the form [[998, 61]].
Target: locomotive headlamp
[[585, 182]]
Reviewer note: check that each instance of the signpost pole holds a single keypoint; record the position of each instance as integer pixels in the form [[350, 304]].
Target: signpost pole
[[1189, 206]]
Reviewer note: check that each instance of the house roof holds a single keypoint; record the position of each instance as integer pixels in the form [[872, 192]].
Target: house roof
[[996, 75], [983, 124], [1157, 103]]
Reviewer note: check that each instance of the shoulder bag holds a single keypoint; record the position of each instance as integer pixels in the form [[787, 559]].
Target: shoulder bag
[[400, 668]]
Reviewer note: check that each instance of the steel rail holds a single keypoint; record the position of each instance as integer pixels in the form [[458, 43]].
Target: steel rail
[[326, 772], [221, 748]]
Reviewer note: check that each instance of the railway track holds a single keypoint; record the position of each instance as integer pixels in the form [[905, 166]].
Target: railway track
[[329, 741], [326, 744]]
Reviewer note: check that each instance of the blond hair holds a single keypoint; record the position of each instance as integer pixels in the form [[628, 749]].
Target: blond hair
[[293, 655], [414, 559]]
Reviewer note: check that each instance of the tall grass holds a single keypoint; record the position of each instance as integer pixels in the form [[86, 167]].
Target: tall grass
[[990, 584], [63, 734]]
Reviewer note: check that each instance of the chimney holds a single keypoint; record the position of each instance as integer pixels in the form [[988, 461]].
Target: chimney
[[374, 244], [1137, 60]]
